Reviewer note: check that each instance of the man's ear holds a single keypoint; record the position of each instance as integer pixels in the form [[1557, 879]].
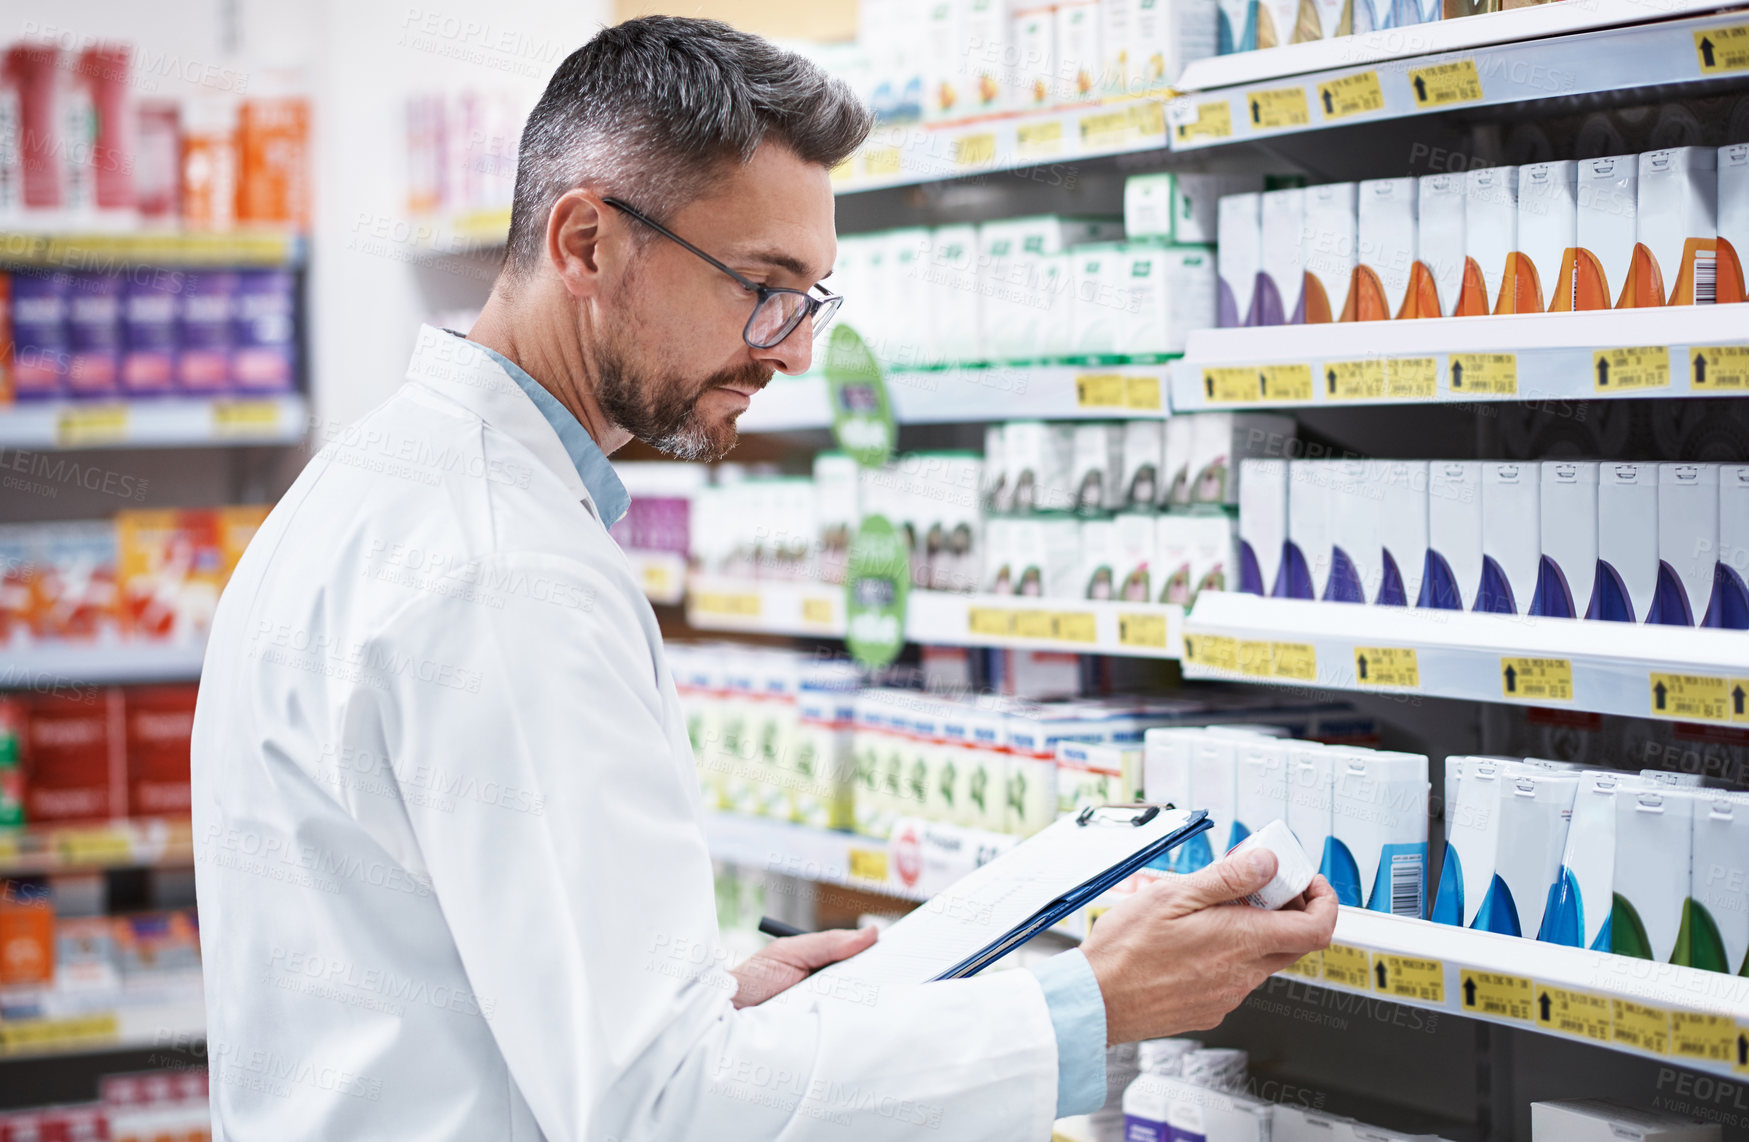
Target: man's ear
[[574, 245]]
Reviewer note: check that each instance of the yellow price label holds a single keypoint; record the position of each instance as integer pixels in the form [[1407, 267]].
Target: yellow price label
[[658, 583], [1718, 368], [1704, 1038], [1740, 1064], [1497, 994], [1484, 374], [1740, 700], [1576, 1013], [1040, 140], [1144, 632], [1537, 679], [1351, 95], [817, 611], [94, 846], [1408, 977], [1348, 967], [1256, 658], [1720, 50], [1355, 380], [10, 848], [1626, 370], [1444, 84], [728, 605], [1100, 390], [1297, 660], [990, 622], [1638, 1025], [1210, 120], [32, 1035], [1109, 129], [1150, 119], [1276, 107], [1215, 651], [1387, 666], [1309, 966], [1142, 394], [1232, 386], [1413, 378], [975, 150], [79, 425], [1076, 626], [1034, 625], [868, 864], [1695, 697], [245, 417], [844, 171], [1285, 382], [881, 162]]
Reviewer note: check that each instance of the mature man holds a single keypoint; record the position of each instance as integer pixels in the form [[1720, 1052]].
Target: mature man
[[452, 878]]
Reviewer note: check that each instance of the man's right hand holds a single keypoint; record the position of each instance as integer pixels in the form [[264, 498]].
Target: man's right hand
[[1177, 956]]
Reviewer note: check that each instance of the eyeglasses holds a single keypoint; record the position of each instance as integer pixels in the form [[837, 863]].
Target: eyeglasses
[[778, 311]]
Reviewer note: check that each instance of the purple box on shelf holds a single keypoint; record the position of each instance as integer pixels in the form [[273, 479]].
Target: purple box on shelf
[[94, 335], [151, 310], [39, 336], [264, 345], [209, 306]]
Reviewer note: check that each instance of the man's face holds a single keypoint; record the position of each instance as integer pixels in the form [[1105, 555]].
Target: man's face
[[673, 369]]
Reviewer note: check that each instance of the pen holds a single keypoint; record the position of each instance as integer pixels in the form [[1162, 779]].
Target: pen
[[778, 928]]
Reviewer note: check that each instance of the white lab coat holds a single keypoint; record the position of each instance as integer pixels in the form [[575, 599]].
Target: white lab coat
[[452, 877]]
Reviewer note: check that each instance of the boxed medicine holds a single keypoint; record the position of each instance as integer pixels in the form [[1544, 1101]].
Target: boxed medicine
[[1454, 536], [1439, 245], [1675, 256], [1239, 259], [1567, 517], [1305, 571], [1730, 605], [1548, 234], [1219, 441], [1733, 241], [1377, 856], [1328, 251], [1511, 534], [1039, 456], [1144, 444], [1597, 1120], [1263, 521], [1180, 209], [1096, 471], [1355, 512], [1402, 529], [1627, 542], [1654, 835], [1137, 556], [1386, 250], [1281, 272], [1688, 542], [1167, 291], [1490, 240], [1719, 899], [1584, 891], [1608, 202]]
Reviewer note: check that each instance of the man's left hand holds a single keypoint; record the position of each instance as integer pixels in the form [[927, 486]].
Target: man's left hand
[[784, 963]]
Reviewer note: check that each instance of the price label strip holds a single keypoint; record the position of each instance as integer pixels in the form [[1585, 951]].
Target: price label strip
[[1040, 140], [881, 162], [1412, 378], [990, 622], [1348, 967], [1695, 697], [1445, 84], [1076, 626], [1408, 977], [1718, 368], [868, 864], [1497, 994], [1307, 967], [742, 605], [1209, 120], [1395, 666], [1214, 651], [1641, 1026], [1537, 679], [1232, 385], [1285, 382], [1355, 380], [1579, 1014], [1256, 658], [1484, 374], [1275, 108], [1722, 50], [1037, 625], [1142, 394], [975, 150], [93, 424], [32, 1035], [1296, 660], [817, 611], [1630, 370], [1351, 95], [1100, 390], [1142, 632], [1703, 1038]]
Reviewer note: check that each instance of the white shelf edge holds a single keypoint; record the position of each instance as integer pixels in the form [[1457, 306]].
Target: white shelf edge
[[155, 422], [99, 664], [173, 1024]]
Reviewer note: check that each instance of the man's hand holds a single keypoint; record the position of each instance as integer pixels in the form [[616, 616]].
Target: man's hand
[[1174, 958], [782, 964]]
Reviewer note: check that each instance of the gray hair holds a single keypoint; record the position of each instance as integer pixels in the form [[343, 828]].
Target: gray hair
[[650, 109]]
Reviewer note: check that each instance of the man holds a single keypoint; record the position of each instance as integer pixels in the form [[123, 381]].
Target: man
[[452, 877]]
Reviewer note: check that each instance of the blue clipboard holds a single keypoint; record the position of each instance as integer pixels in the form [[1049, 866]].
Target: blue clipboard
[[1093, 816]]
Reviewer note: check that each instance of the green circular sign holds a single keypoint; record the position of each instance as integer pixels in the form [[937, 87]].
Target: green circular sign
[[877, 585], [862, 415]]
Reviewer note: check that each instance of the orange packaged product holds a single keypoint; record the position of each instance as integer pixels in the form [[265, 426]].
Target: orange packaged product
[[237, 525], [1676, 227], [27, 934], [273, 144], [209, 165], [17, 586], [73, 591], [171, 568]]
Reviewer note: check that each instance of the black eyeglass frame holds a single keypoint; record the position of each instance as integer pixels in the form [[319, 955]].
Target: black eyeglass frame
[[829, 303]]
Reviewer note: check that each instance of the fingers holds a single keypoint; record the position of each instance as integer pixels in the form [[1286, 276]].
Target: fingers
[[817, 949], [1229, 879], [1298, 932]]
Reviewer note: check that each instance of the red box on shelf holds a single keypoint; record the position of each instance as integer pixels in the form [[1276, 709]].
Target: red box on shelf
[[160, 721], [75, 761]]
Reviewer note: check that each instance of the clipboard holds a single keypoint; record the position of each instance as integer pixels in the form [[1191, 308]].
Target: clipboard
[[1002, 905]]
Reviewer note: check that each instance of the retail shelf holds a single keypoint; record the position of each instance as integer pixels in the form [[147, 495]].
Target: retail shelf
[[166, 422], [1690, 350], [940, 618], [50, 666], [127, 1027], [1430, 70], [42, 850], [978, 393], [103, 251], [662, 573], [457, 233], [1675, 673]]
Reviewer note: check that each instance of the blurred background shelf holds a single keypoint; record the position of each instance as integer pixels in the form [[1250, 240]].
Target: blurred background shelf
[[46, 666], [168, 422], [49, 849], [168, 248]]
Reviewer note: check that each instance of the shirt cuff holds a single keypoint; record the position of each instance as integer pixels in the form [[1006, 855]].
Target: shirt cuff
[[1078, 1017]]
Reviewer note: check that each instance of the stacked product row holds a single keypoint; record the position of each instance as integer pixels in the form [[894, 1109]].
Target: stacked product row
[[58, 966], [145, 576], [1623, 542], [146, 332], [1652, 866], [461, 151], [78, 148], [1667, 227], [84, 754], [150, 1106]]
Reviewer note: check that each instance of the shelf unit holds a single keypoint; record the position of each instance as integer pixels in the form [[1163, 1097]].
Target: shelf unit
[[168, 422], [48, 849], [174, 1025], [662, 575], [1637, 670], [1681, 351], [49, 665], [939, 618], [99, 250]]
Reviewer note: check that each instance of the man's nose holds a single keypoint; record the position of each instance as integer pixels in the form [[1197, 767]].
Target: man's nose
[[795, 353]]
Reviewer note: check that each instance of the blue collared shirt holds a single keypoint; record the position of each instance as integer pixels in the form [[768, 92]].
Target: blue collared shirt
[[1071, 992]]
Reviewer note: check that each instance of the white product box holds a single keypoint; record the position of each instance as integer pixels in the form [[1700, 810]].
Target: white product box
[[944, 47], [1595, 1120], [1490, 237], [1730, 607], [1733, 248], [1122, 67], [1261, 790], [1101, 298], [1214, 787], [1166, 765], [1236, 26], [1056, 323], [999, 554], [1305, 572], [1263, 517], [952, 285], [1585, 888], [984, 31], [1567, 511], [1548, 232], [1627, 542], [1169, 34], [1096, 471], [1386, 249], [1654, 831], [1292, 1124], [1608, 199], [1177, 477], [994, 493], [1535, 810], [1688, 542], [1079, 58], [1239, 258], [1402, 528], [825, 774], [1439, 237], [1099, 558], [1328, 250], [1047, 557], [1472, 842], [1677, 223], [1179, 208], [1195, 553], [1311, 789], [1275, 22], [1379, 826], [1033, 36], [953, 540], [986, 757], [1511, 535], [1024, 293], [907, 296], [1144, 455], [1280, 282], [1171, 291], [1220, 440], [837, 511], [1356, 511], [1039, 458], [1136, 556], [1454, 535], [1720, 874], [1097, 774]]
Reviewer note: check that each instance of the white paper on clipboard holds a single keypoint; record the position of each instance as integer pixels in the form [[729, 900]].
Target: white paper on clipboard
[[993, 900]]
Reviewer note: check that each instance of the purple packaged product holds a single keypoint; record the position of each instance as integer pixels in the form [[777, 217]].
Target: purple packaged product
[[264, 348], [39, 336], [94, 335], [208, 305], [151, 305]]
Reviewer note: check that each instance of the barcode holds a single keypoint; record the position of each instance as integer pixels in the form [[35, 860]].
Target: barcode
[[1706, 276], [1406, 869]]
